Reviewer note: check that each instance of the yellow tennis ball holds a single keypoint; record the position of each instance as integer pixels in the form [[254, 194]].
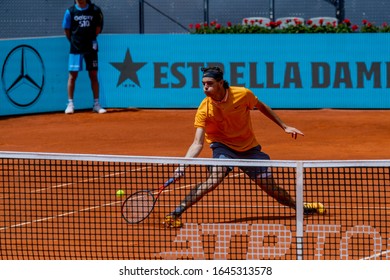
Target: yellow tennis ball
[[120, 193]]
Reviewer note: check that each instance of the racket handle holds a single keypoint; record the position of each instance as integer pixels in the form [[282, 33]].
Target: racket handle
[[169, 181]]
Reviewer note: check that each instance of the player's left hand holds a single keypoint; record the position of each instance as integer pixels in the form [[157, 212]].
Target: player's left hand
[[293, 131]]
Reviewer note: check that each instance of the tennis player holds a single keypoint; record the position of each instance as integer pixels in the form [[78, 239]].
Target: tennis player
[[223, 120], [82, 23]]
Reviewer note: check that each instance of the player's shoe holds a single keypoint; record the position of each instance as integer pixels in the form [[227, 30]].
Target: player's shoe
[[172, 221], [69, 109], [98, 109], [313, 208]]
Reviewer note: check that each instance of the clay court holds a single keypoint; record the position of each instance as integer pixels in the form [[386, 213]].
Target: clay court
[[329, 135]]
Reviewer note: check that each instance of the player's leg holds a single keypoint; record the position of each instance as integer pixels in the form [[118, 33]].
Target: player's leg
[[269, 186], [215, 177], [263, 177], [91, 61], [75, 64], [71, 88], [217, 174], [93, 76], [72, 84]]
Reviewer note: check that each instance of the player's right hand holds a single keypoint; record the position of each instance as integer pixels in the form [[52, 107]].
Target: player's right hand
[[180, 171]]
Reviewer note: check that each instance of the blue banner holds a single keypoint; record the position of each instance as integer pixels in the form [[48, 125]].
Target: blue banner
[[286, 71]]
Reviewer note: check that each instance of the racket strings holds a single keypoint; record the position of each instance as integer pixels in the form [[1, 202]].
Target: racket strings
[[138, 207]]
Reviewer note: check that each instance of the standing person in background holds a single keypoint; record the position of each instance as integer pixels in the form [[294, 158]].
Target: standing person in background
[[223, 121], [82, 23]]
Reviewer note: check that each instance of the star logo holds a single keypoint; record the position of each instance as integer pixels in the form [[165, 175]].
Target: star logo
[[128, 69]]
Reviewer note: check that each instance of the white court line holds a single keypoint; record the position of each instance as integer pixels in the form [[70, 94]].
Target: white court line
[[58, 216], [85, 209], [87, 180], [72, 212], [383, 253], [66, 214]]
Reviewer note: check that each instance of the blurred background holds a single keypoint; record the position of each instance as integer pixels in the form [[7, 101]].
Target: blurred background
[[26, 18]]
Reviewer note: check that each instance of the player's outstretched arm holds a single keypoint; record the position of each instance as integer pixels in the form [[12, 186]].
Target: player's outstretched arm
[[197, 145], [193, 151], [269, 113]]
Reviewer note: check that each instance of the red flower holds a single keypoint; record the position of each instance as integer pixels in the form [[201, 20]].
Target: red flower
[[347, 22], [198, 26], [365, 21], [297, 21], [309, 22], [218, 26], [213, 23], [191, 26], [229, 24], [273, 24], [321, 21], [354, 27]]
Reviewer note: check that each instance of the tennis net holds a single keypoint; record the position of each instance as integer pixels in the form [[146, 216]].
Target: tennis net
[[65, 207]]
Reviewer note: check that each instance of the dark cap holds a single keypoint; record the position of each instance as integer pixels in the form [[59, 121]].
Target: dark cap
[[212, 72]]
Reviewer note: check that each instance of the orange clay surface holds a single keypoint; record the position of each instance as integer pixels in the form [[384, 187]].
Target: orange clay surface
[[329, 134]]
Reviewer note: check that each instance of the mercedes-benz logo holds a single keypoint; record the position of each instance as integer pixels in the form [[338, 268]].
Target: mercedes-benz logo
[[23, 75]]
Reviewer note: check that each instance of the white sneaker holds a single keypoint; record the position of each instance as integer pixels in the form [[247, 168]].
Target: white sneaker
[[69, 109], [98, 109]]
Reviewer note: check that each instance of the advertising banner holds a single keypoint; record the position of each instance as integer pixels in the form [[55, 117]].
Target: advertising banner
[[286, 71]]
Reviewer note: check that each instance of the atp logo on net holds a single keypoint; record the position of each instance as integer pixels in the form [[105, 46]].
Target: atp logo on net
[[192, 237]]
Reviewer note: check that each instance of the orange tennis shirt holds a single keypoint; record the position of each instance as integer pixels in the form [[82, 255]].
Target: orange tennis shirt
[[229, 121]]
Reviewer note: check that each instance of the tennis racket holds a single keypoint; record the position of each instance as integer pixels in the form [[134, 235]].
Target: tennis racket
[[139, 205]]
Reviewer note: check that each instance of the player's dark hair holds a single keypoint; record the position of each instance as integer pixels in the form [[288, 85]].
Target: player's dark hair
[[216, 73]]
